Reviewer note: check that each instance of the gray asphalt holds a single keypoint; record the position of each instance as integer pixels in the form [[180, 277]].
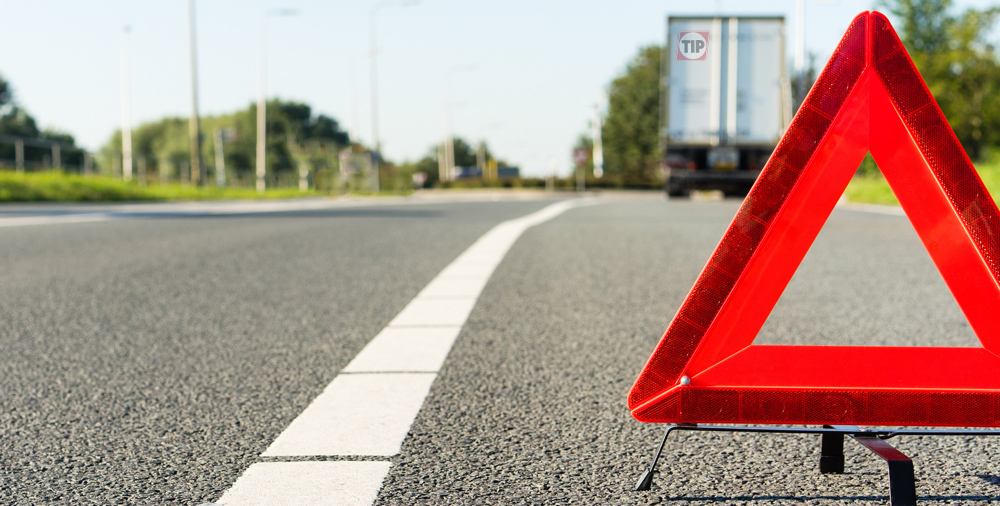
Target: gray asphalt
[[150, 361]]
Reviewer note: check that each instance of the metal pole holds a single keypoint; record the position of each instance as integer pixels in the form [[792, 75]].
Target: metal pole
[[373, 81], [261, 107], [142, 170], [355, 132], [19, 156], [442, 162], [197, 169], [800, 35], [449, 139], [449, 110], [303, 175], [56, 156], [481, 159], [598, 144], [220, 160], [126, 112]]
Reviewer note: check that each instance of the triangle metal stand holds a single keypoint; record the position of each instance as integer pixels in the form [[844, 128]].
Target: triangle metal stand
[[902, 485]]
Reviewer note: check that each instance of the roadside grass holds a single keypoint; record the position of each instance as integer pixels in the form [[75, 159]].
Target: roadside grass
[[871, 188], [59, 187]]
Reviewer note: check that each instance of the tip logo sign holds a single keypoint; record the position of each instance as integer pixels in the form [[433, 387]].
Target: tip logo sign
[[692, 45]]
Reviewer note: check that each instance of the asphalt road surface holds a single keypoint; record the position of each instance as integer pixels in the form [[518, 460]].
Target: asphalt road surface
[[152, 354]]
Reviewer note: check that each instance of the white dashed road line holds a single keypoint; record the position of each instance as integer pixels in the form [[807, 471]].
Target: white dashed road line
[[357, 414], [315, 483], [405, 349], [368, 409]]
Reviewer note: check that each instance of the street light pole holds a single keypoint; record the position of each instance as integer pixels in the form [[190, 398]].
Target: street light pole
[[373, 82], [261, 97], [126, 111], [800, 35], [598, 145], [194, 131], [373, 95], [261, 105], [449, 140], [449, 150]]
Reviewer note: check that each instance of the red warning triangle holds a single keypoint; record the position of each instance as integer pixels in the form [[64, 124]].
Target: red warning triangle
[[869, 98]]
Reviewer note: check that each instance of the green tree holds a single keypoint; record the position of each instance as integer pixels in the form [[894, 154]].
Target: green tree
[[630, 129], [294, 136], [13, 119], [16, 121], [465, 156], [959, 64], [428, 165]]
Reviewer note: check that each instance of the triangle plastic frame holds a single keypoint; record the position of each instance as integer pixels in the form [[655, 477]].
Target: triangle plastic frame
[[869, 98]]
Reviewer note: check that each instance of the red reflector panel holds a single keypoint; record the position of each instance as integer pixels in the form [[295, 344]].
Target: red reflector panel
[[754, 217], [818, 407], [938, 143], [869, 98]]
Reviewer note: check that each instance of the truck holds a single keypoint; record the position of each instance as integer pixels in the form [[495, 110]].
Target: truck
[[725, 101]]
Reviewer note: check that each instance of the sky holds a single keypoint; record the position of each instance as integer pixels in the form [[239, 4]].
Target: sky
[[524, 75]]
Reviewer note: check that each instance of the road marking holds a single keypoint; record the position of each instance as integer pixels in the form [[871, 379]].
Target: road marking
[[315, 483], [454, 287], [872, 208], [434, 312], [16, 215], [21, 221], [369, 407], [357, 414], [405, 349]]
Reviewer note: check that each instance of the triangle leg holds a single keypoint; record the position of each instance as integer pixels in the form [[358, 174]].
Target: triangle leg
[[646, 480], [831, 458], [902, 485]]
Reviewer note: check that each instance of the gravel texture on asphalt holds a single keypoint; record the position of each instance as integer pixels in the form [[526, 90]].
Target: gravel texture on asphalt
[[530, 405], [151, 361]]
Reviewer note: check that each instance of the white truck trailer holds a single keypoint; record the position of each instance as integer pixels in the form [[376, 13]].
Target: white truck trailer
[[725, 101]]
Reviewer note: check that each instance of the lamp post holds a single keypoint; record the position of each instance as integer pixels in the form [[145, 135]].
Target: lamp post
[[126, 112], [373, 81], [194, 131], [449, 149], [598, 153], [800, 35], [261, 96]]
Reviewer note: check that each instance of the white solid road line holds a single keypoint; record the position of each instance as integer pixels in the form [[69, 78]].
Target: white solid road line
[[316, 483], [369, 407]]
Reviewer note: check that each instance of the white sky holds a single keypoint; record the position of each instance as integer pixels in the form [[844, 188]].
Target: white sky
[[540, 65]]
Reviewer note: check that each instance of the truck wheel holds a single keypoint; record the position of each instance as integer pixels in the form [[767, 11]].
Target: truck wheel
[[676, 190]]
